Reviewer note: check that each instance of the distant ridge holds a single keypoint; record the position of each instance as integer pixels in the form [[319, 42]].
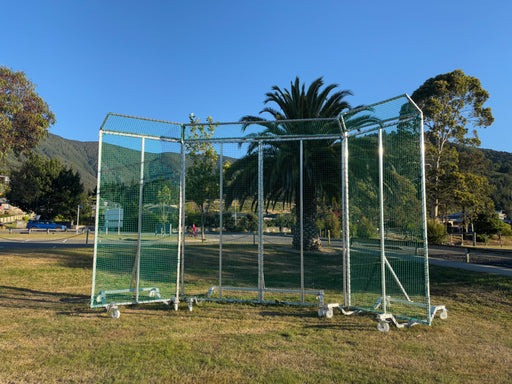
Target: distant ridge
[[82, 156]]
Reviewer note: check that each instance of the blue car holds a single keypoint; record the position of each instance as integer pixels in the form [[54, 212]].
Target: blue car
[[45, 224]]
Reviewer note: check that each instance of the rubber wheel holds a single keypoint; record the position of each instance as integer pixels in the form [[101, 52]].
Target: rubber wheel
[[443, 315], [329, 313], [383, 326], [115, 313]]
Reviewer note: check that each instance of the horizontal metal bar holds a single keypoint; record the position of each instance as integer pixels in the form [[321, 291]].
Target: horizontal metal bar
[[144, 118], [141, 136], [278, 290], [263, 121], [295, 303], [265, 138], [135, 302], [365, 107]]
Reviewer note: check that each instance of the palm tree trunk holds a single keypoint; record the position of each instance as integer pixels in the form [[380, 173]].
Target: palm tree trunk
[[311, 238]]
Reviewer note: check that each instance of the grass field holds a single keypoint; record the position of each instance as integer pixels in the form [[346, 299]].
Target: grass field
[[48, 334]]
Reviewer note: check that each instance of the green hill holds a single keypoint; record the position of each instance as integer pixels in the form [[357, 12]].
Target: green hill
[[83, 157]]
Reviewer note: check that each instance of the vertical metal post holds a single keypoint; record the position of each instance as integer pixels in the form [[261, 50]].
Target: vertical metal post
[[423, 210], [97, 218], [141, 204], [301, 215], [346, 224], [181, 224], [424, 220], [221, 223], [261, 278], [381, 231]]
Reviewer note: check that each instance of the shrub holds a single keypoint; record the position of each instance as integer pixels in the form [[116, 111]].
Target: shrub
[[366, 230], [436, 232]]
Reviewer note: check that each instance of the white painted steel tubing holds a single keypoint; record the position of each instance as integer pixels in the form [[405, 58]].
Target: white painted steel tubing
[[424, 212], [381, 209], [301, 169], [221, 201], [97, 219], [139, 235], [261, 278]]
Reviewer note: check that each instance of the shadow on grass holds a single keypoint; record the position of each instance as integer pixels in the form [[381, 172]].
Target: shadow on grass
[[24, 298]]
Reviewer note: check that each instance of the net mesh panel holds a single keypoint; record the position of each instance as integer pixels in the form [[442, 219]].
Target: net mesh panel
[[136, 242], [398, 267], [137, 232], [240, 231]]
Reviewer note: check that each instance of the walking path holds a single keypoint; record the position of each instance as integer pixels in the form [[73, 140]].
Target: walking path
[[471, 267]]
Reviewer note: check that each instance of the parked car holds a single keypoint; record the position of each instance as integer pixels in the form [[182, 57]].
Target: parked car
[[45, 224]]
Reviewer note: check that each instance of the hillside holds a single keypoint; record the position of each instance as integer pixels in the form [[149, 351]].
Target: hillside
[[83, 157]]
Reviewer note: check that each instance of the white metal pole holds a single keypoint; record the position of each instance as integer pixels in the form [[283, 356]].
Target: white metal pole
[[97, 218], [261, 278], [381, 232], [141, 204], [346, 224], [180, 268], [221, 194], [424, 210], [301, 162]]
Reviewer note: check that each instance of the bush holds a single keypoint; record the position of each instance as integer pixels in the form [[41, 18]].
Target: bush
[[366, 230], [248, 223], [436, 232]]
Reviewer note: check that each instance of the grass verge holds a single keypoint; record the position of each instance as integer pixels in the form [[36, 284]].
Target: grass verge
[[48, 334]]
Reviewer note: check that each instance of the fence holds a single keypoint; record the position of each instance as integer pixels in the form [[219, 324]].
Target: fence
[[244, 214]]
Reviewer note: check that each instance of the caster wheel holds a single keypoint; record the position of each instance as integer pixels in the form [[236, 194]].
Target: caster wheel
[[329, 313], [383, 326], [115, 313], [98, 299], [152, 294], [443, 315]]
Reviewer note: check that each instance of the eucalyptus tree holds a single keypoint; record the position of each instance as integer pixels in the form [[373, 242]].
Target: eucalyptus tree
[[281, 165], [453, 106]]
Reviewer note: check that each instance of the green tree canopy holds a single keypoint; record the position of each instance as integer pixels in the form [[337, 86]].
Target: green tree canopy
[[489, 223], [47, 188], [452, 104], [202, 181], [24, 116]]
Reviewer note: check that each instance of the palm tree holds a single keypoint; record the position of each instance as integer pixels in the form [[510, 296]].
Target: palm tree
[[321, 158]]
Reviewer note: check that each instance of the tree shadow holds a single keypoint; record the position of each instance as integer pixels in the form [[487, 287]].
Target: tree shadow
[[24, 298]]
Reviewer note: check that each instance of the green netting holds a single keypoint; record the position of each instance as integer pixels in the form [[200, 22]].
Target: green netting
[[292, 211], [386, 213], [136, 246]]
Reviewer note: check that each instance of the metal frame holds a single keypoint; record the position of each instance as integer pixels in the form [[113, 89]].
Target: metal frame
[[384, 318]]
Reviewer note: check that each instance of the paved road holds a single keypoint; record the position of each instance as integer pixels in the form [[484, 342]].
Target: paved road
[[471, 267], [60, 240], [452, 257]]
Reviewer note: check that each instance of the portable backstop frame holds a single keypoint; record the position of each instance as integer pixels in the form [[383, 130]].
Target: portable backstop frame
[[365, 167]]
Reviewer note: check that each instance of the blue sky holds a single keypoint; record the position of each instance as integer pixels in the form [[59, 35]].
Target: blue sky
[[167, 59]]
